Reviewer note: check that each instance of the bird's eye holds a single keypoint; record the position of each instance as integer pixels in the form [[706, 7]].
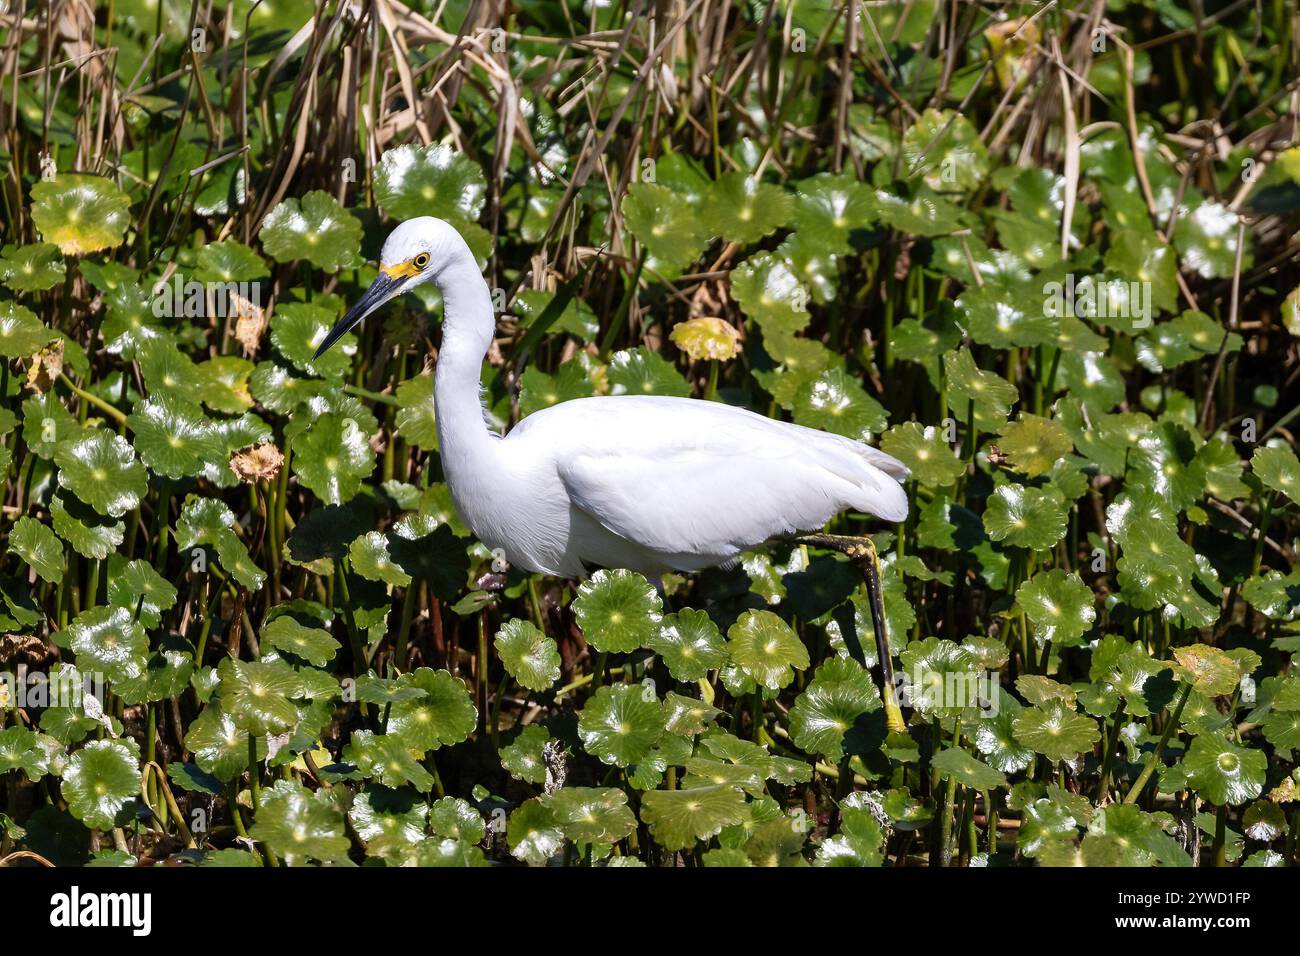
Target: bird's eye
[[421, 260]]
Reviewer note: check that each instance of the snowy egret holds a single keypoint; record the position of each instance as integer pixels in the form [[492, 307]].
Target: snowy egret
[[648, 483]]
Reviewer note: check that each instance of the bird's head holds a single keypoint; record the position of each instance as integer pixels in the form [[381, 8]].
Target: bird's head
[[415, 252]]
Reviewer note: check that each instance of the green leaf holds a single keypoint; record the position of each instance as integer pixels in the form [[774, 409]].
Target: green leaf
[[1025, 517], [456, 819], [957, 764], [835, 402], [813, 265], [995, 737], [620, 724], [1035, 444], [925, 452], [677, 818], [370, 558], [860, 841], [925, 214], [770, 293], [167, 673], [1056, 731], [666, 224], [297, 330], [686, 716], [575, 318], [1059, 605], [108, 639], [992, 394], [234, 557], [39, 548], [829, 710], [1206, 239], [141, 590], [437, 557], [1139, 255], [100, 783], [46, 422], [522, 758], [416, 421], [533, 834], [31, 268], [639, 371], [219, 745], [829, 209], [100, 468], [1275, 595], [300, 826], [1005, 319], [445, 715], [1264, 821], [434, 180], [314, 645], [316, 229], [228, 261], [174, 438], [940, 677], [455, 853], [618, 610], [257, 695], [80, 214], [766, 649], [529, 656], [389, 822], [591, 814], [743, 209], [704, 772], [19, 750], [386, 759], [21, 333], [689, 643], [1279, 469], [537, 390], [1223, 772], [945, 150], [332, 458]]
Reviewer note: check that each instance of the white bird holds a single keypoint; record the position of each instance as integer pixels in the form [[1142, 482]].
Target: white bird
[[648, 483]]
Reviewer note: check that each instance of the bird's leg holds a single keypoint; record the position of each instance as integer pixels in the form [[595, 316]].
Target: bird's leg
[[862, 551]]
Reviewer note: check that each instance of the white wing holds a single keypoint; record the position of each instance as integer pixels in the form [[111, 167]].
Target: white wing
[[685, 477]]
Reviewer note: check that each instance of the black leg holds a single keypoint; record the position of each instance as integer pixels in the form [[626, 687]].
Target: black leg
[[862, 551]]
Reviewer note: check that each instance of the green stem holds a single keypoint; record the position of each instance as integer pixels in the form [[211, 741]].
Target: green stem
[[254, 781], [160, 524], [711, 390], [991, 822], [1136, 790], [624, 306], [354, 636], [1220, 836], [360, 392], [949, 806], [113, 413], [404, 629], [1111, 743]]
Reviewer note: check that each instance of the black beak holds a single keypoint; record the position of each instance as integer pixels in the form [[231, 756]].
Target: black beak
[[381, 290]]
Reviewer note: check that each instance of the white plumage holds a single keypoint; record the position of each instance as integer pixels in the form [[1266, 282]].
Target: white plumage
[[648, 483]]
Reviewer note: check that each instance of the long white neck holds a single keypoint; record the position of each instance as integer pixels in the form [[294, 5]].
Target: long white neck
[[465, 444]]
